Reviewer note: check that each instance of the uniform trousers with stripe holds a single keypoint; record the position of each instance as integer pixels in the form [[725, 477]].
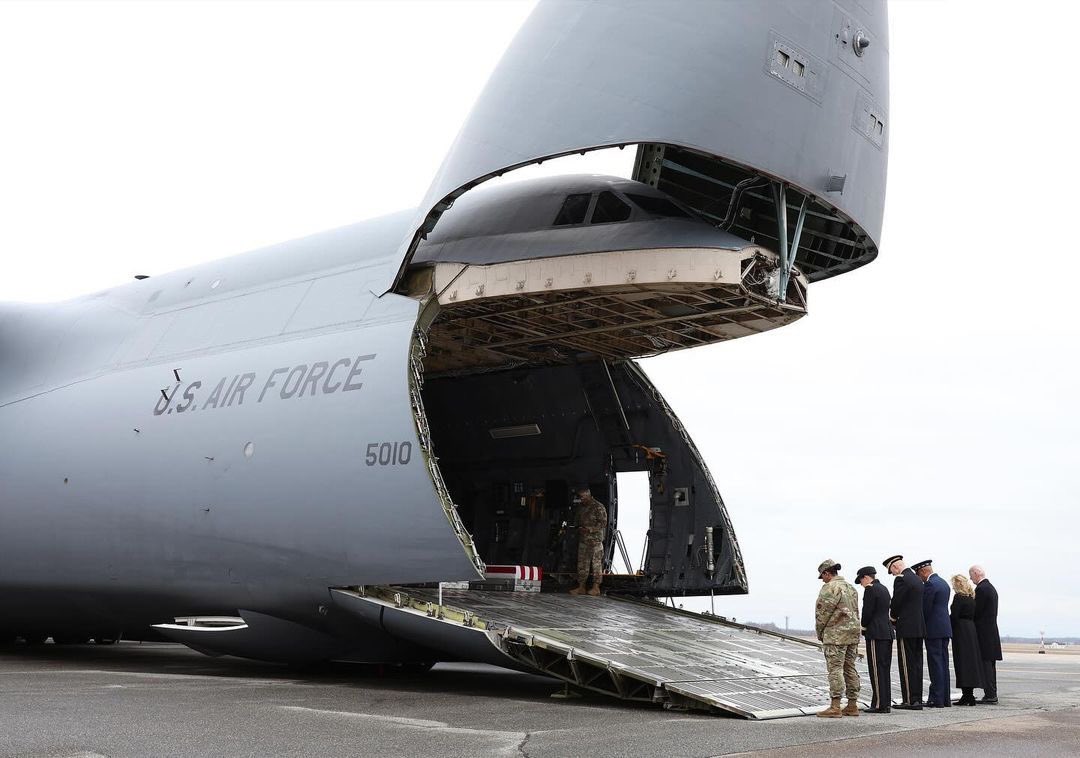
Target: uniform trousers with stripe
[[879, 662], [909, 661]]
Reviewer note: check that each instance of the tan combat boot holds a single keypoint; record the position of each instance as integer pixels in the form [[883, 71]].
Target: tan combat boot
[[595, 591], [832, 712], [852, 708], [579, 590]]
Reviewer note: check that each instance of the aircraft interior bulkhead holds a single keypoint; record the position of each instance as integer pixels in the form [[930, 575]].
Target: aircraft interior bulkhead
[[539, 295]]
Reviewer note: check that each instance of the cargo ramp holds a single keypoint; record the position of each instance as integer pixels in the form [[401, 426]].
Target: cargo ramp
[[629, 649]]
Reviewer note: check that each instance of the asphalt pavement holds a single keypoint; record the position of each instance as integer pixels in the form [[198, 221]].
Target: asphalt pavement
[[134, 699]]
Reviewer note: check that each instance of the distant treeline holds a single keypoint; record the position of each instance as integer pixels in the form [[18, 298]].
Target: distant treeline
[[774, 628], [1016, 640]]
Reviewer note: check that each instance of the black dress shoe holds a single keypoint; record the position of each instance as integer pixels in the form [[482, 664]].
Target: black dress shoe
[[989, 700], [909, 706], [876, 710]]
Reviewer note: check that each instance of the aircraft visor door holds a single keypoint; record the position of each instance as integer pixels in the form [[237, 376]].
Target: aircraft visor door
[[779, 87]]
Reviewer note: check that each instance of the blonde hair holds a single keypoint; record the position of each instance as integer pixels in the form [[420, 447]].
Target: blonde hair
[[963, 586]]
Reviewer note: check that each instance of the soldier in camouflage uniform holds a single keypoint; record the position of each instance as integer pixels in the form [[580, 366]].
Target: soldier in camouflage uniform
[[838, 629], [592, 523]]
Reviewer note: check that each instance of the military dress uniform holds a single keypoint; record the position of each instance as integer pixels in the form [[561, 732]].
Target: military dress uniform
[[907, 610], [938, 634], [836, 619], [879, 636], [592, 525]]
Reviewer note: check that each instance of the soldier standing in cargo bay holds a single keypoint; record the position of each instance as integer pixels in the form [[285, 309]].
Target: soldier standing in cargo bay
[[592, 523], [838, 629]]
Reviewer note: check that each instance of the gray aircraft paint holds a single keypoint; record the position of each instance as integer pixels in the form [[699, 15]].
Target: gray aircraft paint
[[580, 76], [112, 511], [146, 499], [514, 222], [100, 492]]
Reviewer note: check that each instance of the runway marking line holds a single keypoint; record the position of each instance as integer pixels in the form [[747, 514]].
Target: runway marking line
[[424, 723], [402, 721], [151, 675]]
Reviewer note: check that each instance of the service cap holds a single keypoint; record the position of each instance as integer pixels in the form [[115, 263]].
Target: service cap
[[865, 571], [891, 560], [827, 565], [921, 565]]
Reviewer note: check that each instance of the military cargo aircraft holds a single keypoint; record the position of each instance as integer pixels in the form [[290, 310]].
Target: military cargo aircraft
[[309, 451]]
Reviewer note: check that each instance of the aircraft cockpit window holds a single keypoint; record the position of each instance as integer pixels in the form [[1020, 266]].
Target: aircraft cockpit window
[[609, 209], [573, 210], [658, 206]]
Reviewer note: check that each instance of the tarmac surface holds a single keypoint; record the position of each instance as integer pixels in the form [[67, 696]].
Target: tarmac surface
[[134, 699]]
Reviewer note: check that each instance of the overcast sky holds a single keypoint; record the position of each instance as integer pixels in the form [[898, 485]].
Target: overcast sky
[[928, 403]]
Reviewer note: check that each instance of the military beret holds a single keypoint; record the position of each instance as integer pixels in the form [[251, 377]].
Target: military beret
[[865, 571], [891, 560], [827, 565], [921, 565]]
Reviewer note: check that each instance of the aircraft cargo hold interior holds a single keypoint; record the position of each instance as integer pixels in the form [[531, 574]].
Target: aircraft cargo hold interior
[[513, 446], [537, 296]]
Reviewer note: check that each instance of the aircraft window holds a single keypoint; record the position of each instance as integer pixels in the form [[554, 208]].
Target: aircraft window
[[573, 210], [609, 209], [658, 206]]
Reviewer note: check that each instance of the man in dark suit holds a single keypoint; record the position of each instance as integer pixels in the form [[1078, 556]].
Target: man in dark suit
[[986, 629], [906, 610], [938, 633], [878, 631]]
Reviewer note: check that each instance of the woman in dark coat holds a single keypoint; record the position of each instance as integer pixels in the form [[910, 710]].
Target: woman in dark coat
[[966, 659]]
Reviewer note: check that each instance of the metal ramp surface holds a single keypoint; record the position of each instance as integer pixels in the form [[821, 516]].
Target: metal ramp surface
[[628, 649]]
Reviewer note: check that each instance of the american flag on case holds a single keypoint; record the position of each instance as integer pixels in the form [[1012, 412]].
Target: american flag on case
[[517, 578]]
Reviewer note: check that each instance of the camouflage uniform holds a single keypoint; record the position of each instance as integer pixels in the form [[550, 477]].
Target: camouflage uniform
[[592, 523], [838, 628]]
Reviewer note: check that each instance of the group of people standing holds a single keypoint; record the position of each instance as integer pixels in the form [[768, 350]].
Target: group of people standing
[[918, 616]]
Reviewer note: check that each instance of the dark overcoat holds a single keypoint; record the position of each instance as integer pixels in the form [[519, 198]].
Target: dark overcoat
[[875, 612], [986, 611], [967, 662], [907, 605]]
